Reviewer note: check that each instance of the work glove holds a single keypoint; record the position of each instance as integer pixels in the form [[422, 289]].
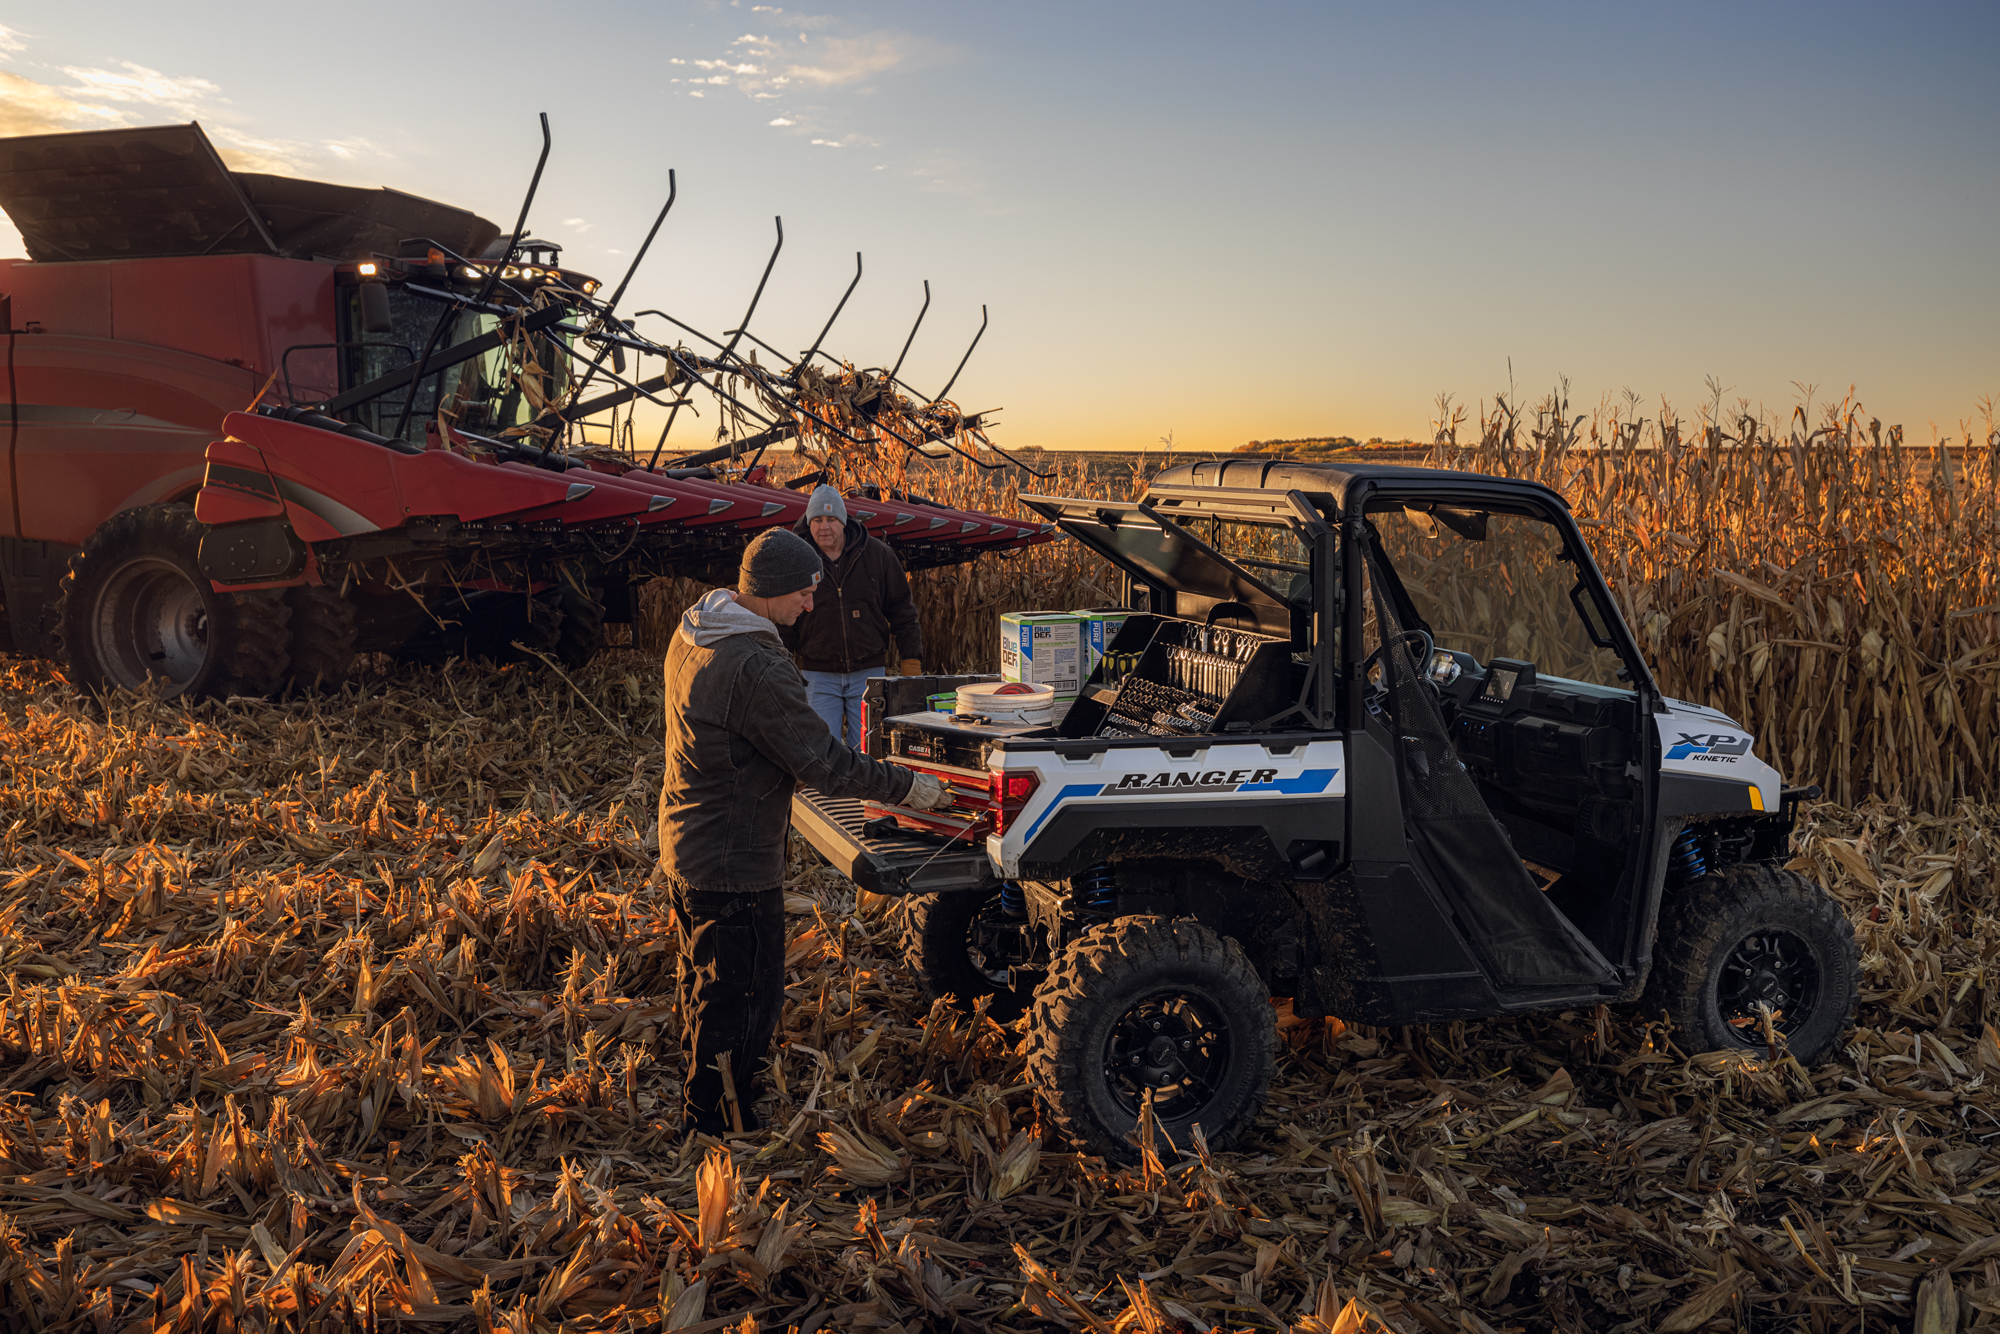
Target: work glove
[[913, 667], [927, 792]]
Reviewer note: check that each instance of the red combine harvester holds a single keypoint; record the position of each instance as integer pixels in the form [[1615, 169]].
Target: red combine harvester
[[402, 391]]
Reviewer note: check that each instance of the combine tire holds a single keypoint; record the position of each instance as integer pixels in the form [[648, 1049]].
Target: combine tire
[[1748, 934], [1144, 1002], [535, 623], [322, 637], [581, 632], [134, 607], [940, 946]]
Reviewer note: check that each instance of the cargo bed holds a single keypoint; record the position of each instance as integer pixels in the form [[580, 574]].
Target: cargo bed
[[890, 864]]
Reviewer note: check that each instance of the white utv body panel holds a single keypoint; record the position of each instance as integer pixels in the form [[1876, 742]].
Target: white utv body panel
[[1707, 743], [1228, 771]]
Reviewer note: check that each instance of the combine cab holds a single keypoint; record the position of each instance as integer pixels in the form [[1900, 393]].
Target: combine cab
[[404, 394]]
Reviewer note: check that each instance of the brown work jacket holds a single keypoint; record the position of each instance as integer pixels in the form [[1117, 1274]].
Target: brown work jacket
[[740, 738]]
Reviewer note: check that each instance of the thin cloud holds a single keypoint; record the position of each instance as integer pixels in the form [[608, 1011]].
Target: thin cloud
[[27, 107], [134, 83], [132, 94], [784, 120], [841, 61], [245, 152]]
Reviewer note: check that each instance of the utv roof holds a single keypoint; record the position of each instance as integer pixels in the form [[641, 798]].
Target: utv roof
[[1336, 479]]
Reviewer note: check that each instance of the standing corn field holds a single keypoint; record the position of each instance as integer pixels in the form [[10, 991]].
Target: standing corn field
[[1832, 586]]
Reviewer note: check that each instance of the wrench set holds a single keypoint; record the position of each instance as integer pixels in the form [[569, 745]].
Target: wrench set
[[1199, 676]]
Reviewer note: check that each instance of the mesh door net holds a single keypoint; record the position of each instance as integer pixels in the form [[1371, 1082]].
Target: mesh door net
[[1520, 936]]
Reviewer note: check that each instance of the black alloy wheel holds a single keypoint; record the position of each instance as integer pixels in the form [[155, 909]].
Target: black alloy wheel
[[1167, 1043], [1772, 969]]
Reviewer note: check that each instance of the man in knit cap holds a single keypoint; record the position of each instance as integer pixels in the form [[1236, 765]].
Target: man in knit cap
[[862, 607], [740, 737]]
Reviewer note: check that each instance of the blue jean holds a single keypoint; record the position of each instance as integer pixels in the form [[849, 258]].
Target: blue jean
[[835, 696]]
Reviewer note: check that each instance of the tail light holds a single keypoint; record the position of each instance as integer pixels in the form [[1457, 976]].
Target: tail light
[[863, 747], [1009, 792]]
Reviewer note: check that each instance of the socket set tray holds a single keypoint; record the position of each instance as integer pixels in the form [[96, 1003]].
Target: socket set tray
[[1147, 708]]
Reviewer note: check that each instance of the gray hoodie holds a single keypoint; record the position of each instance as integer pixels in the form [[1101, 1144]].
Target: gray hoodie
[[740, 738]]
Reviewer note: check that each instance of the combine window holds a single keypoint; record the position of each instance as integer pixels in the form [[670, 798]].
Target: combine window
[[488, 394]]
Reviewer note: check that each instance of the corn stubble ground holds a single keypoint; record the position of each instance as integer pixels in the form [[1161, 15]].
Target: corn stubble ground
[[359, 1010]]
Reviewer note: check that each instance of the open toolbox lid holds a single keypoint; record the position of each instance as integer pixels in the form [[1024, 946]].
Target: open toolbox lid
[[1139, 540]]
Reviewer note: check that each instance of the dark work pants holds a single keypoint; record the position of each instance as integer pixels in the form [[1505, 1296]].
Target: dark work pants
[[732, 987]]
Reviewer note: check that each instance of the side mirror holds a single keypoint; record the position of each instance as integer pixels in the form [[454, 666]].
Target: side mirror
[[618, 358], [375, 317]]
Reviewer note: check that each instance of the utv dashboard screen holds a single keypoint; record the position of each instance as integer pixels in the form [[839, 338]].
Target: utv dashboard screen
[[1499, 685]]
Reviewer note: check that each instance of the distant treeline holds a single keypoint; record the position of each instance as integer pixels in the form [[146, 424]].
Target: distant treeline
[[1326, 444]]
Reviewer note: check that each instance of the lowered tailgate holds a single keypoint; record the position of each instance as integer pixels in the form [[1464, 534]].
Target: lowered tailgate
[[894, 863]]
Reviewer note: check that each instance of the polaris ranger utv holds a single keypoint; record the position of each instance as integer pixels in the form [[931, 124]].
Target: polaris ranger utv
[[1382, 744]]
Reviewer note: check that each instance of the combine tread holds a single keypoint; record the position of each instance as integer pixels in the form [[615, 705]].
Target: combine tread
[[242, 636], [1090, 987], [580, 634], [323, 626]]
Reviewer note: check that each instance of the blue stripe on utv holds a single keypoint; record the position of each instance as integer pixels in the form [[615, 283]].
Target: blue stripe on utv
[[1312, 780], [1073, 790]]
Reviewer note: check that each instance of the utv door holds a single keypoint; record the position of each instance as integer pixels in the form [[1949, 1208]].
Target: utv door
[[1464, 604]]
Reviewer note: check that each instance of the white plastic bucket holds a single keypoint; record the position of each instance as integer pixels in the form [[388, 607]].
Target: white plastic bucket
[[1009, 701]]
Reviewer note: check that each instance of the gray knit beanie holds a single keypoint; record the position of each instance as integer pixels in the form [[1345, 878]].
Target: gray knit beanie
[[825, 503], [777, 561]]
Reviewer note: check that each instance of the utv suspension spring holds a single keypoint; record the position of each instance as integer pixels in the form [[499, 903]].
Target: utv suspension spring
[[1097, 891], [1013, 903], [1687, 863]]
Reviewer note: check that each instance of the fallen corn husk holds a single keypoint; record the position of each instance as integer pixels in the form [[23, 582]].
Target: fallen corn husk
[[329, 1008]]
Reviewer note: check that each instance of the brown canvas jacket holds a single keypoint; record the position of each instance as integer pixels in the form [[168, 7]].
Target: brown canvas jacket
[[860, 607], [740, 738]]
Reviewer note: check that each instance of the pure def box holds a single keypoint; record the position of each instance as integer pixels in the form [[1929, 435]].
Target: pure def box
[[1100, 626], [1044, 648]]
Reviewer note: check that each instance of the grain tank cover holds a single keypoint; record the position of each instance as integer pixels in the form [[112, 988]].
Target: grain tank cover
[[161, 190]]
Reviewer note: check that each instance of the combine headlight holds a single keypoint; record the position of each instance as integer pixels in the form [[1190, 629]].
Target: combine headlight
[[366, 270], [590, 285], [474, 274]]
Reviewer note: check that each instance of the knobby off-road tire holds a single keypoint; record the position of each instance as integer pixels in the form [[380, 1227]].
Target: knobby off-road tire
[[1747, 933], [1145, 1000], [134, 607], [323, 627], [938, 947]]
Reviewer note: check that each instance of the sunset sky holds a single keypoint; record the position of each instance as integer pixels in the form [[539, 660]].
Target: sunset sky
[[1222, 222]]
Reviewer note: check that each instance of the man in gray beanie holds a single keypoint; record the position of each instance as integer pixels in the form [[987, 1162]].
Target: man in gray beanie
[[863, 607], [740, 737]]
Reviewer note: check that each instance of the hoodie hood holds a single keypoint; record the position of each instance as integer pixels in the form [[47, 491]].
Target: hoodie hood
[[718, 616]]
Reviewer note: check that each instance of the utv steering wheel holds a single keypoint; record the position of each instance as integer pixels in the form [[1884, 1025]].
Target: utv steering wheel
[[1378, 691]]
